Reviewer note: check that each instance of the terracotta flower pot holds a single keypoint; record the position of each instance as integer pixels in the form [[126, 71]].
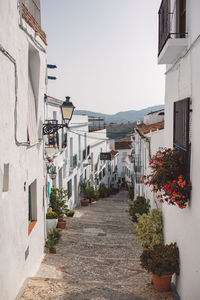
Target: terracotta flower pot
[[130, 212], [61, 224], [52, 250], [162, 283], [93, 200], [85, 202]]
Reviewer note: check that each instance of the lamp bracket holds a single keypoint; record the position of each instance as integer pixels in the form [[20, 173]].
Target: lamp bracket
[[49, 128]]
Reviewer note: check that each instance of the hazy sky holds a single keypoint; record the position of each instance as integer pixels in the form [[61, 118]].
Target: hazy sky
[[106, 53]]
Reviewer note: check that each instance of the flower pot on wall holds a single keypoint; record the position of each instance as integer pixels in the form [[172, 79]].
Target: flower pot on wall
[[162, 283]]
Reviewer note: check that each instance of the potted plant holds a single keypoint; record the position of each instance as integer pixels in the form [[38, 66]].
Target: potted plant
[[51, 220], [58, 203], [52, 240], [83, 192], [70, 212], [150, 229], [139, 206], [162, 262]]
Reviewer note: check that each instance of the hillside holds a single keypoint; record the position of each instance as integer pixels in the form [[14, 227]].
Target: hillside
[[116, 131], [123, 116]]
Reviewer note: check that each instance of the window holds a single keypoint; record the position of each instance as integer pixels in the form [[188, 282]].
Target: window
[[69, 188], [33, 91], [71, 152], [60, 174], [79, 147], [6, 178], [84, 154], [32, 205], [180, 18], [182, 130]]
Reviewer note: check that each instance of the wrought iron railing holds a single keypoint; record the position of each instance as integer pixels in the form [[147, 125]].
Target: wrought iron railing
[[166, 18]]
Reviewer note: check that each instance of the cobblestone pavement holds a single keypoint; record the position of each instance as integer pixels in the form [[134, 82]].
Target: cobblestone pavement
[[97, 259]]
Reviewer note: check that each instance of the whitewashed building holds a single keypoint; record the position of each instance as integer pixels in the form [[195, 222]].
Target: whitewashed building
[[148, 138], [179, 49], [124, 161], [22, 88], [66, 152]]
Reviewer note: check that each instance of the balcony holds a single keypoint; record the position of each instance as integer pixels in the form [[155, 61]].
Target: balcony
[[172, 32], [96, 124]]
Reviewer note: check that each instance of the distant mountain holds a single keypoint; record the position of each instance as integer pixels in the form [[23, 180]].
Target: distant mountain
[[123, 116]]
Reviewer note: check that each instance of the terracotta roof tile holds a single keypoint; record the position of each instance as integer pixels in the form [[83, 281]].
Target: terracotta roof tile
[[144, 128]]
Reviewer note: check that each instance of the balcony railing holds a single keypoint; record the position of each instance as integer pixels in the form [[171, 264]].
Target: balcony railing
[[52, 139], [171, 25]]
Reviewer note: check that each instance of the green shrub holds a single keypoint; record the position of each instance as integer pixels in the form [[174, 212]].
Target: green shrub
[[150, 229], [51, 215], [104, 191], [52, 238], [58, 201], [140, 206], [130, 192], [70, 212], [162, 260]]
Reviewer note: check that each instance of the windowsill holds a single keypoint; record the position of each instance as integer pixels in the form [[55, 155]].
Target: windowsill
[[31, 226]]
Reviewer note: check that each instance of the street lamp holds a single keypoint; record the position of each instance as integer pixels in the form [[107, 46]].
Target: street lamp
[[67, 109]]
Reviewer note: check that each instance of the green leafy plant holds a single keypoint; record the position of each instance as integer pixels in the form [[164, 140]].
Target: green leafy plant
[[140, 206], [70, 212], [96, 194], [130, 192], [83, 185], [150, 229], [104, 191], [51, 215], [162, 260], [58, 201], [52, 238]]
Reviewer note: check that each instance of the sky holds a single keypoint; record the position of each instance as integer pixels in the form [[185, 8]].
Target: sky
[[105, 52]]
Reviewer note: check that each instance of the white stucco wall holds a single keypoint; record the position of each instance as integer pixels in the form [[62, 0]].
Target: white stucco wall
[[183, 226], [25, 163]]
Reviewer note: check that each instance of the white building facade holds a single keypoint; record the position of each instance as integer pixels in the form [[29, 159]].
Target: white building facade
[[179, 49], [22, 82], [148, 138]]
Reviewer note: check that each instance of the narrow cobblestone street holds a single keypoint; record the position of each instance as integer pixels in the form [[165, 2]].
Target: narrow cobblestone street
[[97, 259]]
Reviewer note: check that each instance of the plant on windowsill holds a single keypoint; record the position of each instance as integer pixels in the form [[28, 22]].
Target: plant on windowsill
[[162, 262], [52, 240], [167, 169], [150, 229]]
